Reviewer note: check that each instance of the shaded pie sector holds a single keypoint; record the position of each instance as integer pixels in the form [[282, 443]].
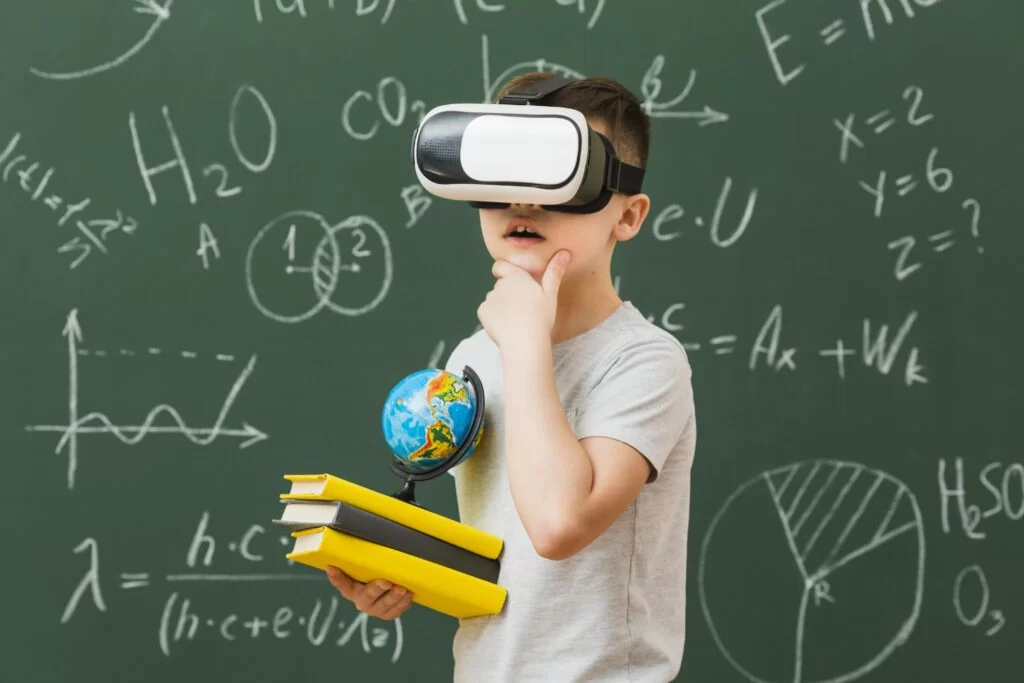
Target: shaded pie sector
[[855, 544]]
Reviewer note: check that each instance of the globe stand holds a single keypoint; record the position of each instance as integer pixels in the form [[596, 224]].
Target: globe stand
[[408, 491]]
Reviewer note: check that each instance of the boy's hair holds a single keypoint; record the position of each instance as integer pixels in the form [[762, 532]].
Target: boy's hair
[[600, 99]]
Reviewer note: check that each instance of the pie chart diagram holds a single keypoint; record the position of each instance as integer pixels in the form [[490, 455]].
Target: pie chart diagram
[[813, 572]]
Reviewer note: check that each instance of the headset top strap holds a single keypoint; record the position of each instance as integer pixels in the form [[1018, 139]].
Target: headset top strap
[[536, 92]]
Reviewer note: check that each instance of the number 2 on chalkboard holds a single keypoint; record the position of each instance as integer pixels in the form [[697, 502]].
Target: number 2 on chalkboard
[[357, 250]]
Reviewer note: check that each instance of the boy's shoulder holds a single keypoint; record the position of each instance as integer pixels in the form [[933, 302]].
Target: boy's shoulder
[[629, 336], [641, 357]]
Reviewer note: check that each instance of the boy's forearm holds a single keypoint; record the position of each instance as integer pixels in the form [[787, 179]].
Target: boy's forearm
[[549, 473]]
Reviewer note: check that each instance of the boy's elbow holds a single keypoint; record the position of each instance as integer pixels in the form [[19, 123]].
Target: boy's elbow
[[560, 542]]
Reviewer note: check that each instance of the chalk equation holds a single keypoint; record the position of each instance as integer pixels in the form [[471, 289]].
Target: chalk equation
[[131, 434], [872, 14], [835, 525], [930, 174], [720, 236], [182, 620], [160, 13], [583, 7], [877, 350], [95, 228], [298, 8]]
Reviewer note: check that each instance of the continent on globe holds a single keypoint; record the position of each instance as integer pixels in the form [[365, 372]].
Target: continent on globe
[[427, 416]]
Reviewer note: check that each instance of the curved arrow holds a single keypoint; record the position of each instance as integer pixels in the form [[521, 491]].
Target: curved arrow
[[153, 7]]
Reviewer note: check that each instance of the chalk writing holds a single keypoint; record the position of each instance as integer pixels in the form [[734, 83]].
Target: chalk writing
[[719, 236], [851, 136], [581, 7], [491, 85], [298, 7], [391, 105], [221, 184], [1003, 496], [877, 351], [488, 7], [871, 11], [831, 514], [932, 175], [180, 622], [335, 249], [996, 619], [650, 89], [21, 171], [416, 202], [133, 434], [160, 13]]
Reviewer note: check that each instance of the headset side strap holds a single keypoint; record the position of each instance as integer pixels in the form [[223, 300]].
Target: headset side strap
[[623, 177]]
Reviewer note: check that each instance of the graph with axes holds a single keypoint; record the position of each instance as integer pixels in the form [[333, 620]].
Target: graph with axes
[[82, 423]]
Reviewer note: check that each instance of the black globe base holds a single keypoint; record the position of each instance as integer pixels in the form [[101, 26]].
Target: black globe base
[[407, 493]]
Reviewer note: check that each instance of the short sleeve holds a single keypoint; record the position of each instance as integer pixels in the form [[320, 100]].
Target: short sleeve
[[643, 398]]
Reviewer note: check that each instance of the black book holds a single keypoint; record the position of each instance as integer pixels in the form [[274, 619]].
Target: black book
[[340, 516]]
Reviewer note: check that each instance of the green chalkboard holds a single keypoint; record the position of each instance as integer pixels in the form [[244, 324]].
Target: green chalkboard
[[216, 261]]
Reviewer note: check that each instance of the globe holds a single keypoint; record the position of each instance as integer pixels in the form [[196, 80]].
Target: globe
[[427, 416]]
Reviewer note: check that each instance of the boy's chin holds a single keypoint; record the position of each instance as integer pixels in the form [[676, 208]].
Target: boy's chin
[[532, 262]]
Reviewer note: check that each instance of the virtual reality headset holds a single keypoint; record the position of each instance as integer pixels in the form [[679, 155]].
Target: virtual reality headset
[[520, 152]]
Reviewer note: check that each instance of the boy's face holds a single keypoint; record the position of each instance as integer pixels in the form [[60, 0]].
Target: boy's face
[[589, 237]]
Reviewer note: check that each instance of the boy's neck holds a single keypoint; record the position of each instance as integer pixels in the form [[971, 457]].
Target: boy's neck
[[583, 304]]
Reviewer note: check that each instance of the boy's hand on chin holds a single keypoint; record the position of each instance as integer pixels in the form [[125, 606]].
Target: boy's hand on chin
[[519, 310]]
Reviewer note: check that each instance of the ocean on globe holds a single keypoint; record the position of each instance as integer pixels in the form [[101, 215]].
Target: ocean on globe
[[427, 416]]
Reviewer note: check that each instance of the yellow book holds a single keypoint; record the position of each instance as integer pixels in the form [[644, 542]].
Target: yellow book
[[432, 585], [330, 487]]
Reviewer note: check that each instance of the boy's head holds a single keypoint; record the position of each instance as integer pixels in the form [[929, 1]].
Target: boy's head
[[613, 111]]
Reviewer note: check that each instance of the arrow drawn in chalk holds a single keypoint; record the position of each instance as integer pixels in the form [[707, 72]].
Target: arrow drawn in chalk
[[161, 13], [651, 88]]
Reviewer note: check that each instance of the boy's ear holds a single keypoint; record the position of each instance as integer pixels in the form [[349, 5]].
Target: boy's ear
[[634, 211]]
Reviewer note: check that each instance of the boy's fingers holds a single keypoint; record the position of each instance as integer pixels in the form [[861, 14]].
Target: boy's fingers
[[502, 268], [369, 593], [390, 599], [552, 278], [399, 608], [342, 581]]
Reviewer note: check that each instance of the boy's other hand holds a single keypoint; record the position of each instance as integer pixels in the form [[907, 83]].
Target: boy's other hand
[[378, 598], [518, 307]]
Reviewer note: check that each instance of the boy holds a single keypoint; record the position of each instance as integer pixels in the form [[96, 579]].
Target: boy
[[584, 467]]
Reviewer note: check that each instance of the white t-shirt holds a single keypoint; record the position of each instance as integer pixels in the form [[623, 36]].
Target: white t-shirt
[[615, 610]]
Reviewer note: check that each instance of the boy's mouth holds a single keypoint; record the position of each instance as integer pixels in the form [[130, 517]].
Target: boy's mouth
[[521, 228]]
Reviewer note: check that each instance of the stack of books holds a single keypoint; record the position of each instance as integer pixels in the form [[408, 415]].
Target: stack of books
[[448, 566]]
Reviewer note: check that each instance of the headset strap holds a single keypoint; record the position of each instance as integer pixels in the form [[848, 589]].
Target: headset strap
[[535, 92], [623, 177]]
